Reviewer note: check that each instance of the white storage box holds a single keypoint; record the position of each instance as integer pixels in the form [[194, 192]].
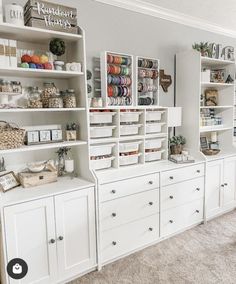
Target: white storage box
[[132, 129], [101, 131], [154, 115], [153, 156], [101, 150], [129, 147], [206, 76], [154, 143], [101, 117], [129, 160], [154, 127], [102, 163], [132, 116]]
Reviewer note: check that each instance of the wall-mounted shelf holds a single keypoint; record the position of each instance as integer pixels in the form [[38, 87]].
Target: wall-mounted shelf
[[30, 110], [215, 62]]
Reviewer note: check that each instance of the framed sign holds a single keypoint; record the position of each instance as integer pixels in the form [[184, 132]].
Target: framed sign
[[165, 80], [204, 143], [8, 181]]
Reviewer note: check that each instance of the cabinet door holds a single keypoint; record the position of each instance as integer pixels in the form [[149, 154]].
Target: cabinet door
[[229, 182], [29, 227], [75, 225], [214, 181]]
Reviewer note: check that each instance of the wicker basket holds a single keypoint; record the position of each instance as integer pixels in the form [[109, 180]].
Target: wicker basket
[[11, 136]]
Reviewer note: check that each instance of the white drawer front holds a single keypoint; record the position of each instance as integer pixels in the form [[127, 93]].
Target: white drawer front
[[129, 186], [181, 193], [182, 174], [128, 209], [126, 238], [178, 218]]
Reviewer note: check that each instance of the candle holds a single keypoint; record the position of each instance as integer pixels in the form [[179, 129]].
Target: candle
[[214, 137], [69, 166]]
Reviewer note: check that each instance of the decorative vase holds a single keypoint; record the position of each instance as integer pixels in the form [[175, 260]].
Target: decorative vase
[[176, 149], [14, 14]]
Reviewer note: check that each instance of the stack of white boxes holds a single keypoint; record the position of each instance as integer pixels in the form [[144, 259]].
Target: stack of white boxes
[[8, 53]]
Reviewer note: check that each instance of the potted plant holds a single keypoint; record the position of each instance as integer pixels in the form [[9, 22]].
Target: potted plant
[[176, 144], [203, 47]]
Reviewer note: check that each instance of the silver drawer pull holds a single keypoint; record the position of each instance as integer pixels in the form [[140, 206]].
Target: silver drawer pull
[[226, 184], [114, 243], [150, 203], [150, 182], [222, 185], [171, 177], [198, 189], [197, 211], [171, 197], [198, 171], [113, 191], [113, 215], [150, 229], [171, 221], [52, 241]]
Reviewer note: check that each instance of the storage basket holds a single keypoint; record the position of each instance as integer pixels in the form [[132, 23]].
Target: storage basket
[[154, 115], [129, 160], [132, 116], [11, 136], [132, 129]]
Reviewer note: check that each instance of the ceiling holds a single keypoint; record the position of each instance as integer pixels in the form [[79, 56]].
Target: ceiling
[[221, 13]]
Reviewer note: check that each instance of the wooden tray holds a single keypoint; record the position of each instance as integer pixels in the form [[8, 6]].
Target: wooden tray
[[210, 152]]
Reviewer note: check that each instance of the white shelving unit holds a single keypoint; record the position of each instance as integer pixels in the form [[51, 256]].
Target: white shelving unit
[[189, 90]]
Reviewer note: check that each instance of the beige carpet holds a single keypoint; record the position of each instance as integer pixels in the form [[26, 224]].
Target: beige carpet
[[203, 255]]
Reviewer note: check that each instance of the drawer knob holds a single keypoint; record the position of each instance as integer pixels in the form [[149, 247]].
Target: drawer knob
[[171, 221], [150, 229], [60, 238], [52, 241], [171, 177], [222, 185], [198, 171], [198, 189], [150, 203], [150, 182], [114, 243], [113, 191], [171, 197], [197, 211], [113, 214], [226, 184]]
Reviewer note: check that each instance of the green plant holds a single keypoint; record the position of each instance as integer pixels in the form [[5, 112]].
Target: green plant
[[57, 46], [202, 47], [177, 140]]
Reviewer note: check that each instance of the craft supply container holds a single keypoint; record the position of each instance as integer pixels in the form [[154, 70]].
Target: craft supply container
[[102, 164], [49, 91], [154, 127], [101, 131], [129, 160], [132, 129], [154, 143], [129, 116], [101, 117], [154, 115], [129, 147], [154, 156], [69, 99], [101, 150]]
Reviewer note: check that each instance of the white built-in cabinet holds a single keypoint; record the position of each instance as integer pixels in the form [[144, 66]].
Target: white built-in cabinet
[[54, 235], [220, 185]]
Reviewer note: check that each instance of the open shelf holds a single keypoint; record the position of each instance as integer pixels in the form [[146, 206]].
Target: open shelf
[[43, 147], [36, 73], [35, 35], [41, 110], [215, 62], [216, 85], [216, 107], [214, 128]]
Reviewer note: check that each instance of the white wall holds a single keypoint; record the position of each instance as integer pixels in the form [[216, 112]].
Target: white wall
[[114, 29]]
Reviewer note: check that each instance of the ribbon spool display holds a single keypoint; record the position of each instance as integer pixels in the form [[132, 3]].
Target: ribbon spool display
[[148, 81], [119, 80]]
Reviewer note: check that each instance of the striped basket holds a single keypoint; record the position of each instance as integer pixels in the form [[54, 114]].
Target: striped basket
[[11, 136]]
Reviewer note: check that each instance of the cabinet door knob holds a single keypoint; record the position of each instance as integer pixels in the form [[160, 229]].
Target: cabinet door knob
[[171, 221], [171, 177], [60, 238], [113, 191], [150, 229], [198, 189], [150, 203], [226, 184], [171, 197], [197, 211], [222, 185], [113, 214], [114, 243], [198, 171], [52, 241], [150, 182]]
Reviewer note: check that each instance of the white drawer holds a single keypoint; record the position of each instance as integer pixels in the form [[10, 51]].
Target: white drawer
[[126, 238], [170, 177], [181, 193], [127, 187], [178, 218], [128, 209]]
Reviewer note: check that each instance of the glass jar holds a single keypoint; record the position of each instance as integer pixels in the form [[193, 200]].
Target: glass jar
[[6, 86], [56, 101], [69, 99], [17, 88], [34, 99], [49, 91]]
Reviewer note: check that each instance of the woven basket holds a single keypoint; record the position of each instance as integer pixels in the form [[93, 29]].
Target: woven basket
[[11, 136]]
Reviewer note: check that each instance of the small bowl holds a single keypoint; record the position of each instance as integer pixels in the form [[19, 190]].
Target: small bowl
[[36, 168]]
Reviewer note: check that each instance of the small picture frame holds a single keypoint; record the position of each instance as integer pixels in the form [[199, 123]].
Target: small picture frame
[[8, 181], [211, 98], [32, 137], [45, 136], [56, 135], [204, 143]]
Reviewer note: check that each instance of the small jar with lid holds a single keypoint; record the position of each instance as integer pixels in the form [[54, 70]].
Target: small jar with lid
[[17, 87], [69, 99], [34, 99], [56, 101], [6, 86], [49, 91]]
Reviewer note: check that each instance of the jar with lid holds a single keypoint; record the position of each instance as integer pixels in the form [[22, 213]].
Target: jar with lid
[[69, 99], [49, 91], [34, 99], [6, 86], [16, 86], [56, 100]]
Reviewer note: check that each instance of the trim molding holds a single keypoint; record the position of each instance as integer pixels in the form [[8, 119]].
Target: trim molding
[[142, 7]]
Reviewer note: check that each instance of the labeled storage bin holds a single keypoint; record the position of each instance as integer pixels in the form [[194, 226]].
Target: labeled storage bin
[[101, 131], [129, 160], [154, 143], [129, 147], [101, 150], [131, 116], [154, 127], [154, 115], [154, 156], [101, 117], [132, 129], [101, 164]]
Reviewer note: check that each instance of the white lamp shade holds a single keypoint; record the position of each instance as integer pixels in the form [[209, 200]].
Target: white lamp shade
[[174, 116]]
